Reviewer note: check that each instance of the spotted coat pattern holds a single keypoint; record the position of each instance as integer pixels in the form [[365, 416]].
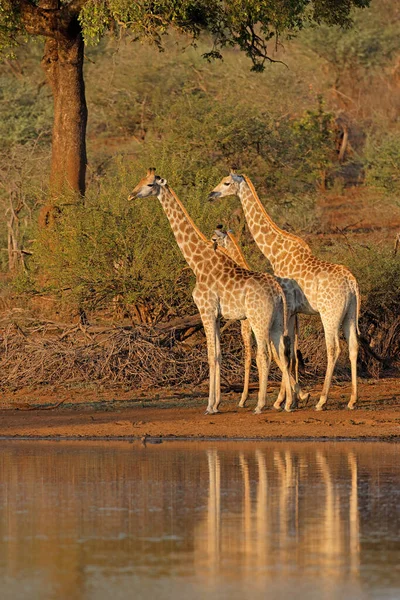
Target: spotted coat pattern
[[330, 290], [224, 288], [294, 302]]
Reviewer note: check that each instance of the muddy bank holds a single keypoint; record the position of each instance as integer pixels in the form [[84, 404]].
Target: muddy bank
[[122, 414]]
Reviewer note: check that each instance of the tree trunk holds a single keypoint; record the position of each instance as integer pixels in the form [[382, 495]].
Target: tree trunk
[[63, 65]]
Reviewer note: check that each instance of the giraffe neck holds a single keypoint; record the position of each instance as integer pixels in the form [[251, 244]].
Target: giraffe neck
[[193, 244], [232, 248], [284, 250]]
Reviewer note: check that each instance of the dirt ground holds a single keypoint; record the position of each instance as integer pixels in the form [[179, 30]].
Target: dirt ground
[[114, 413]]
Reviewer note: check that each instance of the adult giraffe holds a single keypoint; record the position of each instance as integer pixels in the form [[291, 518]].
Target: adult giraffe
[[224, 288], [330, 290], [294, 301]]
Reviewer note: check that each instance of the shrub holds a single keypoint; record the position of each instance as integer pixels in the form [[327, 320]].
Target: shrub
[[110, 248], [382, 157], [378, 273]]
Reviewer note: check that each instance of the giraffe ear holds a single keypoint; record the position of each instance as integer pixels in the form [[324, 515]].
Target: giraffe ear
[[237, 178], [161, 181]]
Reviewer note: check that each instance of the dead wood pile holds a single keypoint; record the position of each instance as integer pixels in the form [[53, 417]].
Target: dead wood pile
[[168, 355], [62, 354]]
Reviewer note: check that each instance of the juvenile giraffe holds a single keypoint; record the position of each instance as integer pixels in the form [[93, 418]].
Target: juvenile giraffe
[[294, 301], [224, 288], [329, 290]]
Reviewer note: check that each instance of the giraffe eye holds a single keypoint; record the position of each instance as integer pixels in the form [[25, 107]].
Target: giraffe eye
[[226, 183]]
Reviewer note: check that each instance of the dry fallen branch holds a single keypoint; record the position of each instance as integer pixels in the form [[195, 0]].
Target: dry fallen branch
[[50, 354], [45, 407], [141, 357]]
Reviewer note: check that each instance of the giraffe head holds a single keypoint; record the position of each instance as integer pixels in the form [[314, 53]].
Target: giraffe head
[[148, 186], [229, 186], [220, 236]]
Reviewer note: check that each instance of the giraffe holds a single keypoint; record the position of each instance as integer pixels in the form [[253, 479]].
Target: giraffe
[[224, 288], [330, 290], [294, 300]]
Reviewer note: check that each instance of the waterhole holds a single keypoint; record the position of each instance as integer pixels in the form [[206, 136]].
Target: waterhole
[[110, 520]]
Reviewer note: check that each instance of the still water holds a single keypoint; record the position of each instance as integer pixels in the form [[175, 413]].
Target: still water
[[199, 520]]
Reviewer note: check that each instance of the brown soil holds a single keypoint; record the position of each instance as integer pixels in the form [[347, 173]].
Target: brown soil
[[122, 414], [359, 211]]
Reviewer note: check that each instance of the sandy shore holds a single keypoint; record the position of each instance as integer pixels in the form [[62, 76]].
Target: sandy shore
[[114, 413]]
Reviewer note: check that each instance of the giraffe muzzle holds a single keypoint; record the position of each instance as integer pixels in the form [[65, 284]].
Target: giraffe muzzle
[[213, 195], [134, 196]]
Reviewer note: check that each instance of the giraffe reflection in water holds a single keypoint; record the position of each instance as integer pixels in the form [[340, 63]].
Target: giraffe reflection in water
[[237, 518], [292, 513]]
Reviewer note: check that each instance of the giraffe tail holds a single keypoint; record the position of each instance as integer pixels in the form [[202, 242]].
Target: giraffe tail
[[286, 349]]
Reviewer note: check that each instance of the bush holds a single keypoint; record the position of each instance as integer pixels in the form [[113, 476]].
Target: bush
[[203, 118], [378, 273], [109, 248], [382, 158]]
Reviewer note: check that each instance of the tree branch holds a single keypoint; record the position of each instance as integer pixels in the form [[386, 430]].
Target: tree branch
[[49, 22], [38, 21], [75, 7]]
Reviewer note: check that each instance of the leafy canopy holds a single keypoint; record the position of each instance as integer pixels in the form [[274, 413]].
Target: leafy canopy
[[247, 24]]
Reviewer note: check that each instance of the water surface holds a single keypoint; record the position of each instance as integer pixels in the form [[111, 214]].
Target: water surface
[[82, 520]]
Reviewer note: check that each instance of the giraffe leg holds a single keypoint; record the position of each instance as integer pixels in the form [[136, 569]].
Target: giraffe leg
[[333, 351], [350, 332], [294, 363], [246, 336], [297, 391], [206, 303], [218, 360], [281, 349], [294, 337], [210, 329], [263, 359], [282, 390]]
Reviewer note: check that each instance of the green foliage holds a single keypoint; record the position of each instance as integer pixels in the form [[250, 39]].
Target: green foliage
[[145, 20], [371, 42], [25, 112], [111, 248], [291, 153], [108, 248], [378, 273], [314, 138], [192, 120], [217, 114], [246, 24], [377, 270], [9, 25], [95, 18], [382, 161]]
